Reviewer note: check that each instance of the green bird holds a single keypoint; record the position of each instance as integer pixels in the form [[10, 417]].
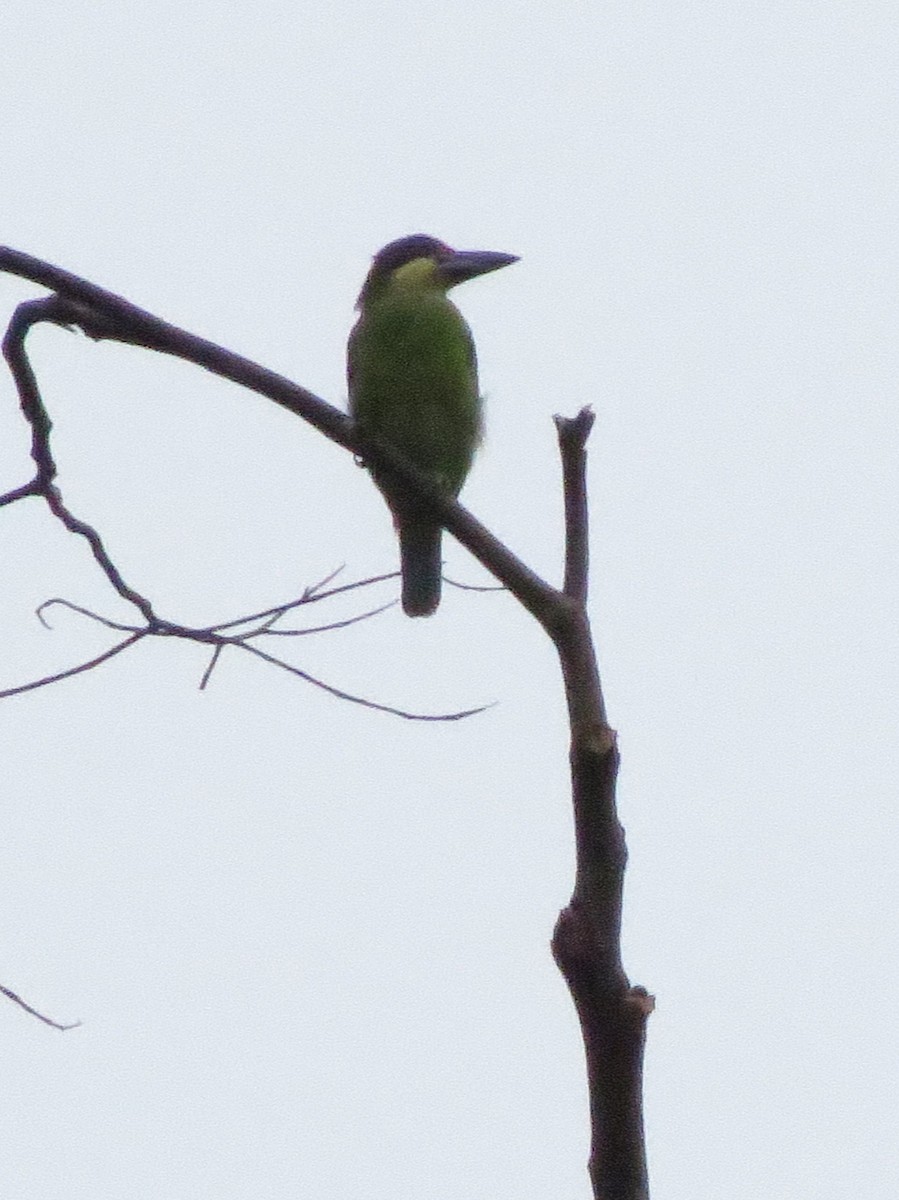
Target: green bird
[[413, 383]]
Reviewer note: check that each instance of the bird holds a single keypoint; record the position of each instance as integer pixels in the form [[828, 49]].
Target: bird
[[412, 380]]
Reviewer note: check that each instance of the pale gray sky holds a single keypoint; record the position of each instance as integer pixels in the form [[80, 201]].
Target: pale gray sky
[[309, 943]]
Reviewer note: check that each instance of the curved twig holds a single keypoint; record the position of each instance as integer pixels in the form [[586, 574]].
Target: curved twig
[[54, 309], [341, 695], [21, 688], [84, 612], [474, 587], [10, 995]]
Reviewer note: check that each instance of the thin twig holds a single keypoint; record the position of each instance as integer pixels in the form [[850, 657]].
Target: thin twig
[[474, 587], [314, 588], [207, 674], [341, 695], [309, 597], [84, 612], [34, 1012], [53, 309], [219, 642], [372, 612], [86, 666]]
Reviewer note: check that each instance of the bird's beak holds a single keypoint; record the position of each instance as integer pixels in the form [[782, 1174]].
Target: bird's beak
[[466, 264]]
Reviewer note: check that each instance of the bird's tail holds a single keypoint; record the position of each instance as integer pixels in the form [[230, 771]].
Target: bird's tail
[[421, 566]]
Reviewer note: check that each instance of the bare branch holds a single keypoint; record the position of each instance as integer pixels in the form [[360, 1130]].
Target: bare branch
[[372, 612], [34, 1012], [80, 669], [474, 587], [316, 588], [341, 695], [207, 674], [103, 315], [212, 637], [20, 493], [573, 434], [84, 612], [26, 315], [586, 943], [66, 312], [587, 939], [310, 596]]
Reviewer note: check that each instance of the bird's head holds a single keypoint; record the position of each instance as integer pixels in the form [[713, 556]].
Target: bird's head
[[423, 263]]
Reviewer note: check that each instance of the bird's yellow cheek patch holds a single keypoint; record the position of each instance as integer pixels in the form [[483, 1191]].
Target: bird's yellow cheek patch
[[417, 275]]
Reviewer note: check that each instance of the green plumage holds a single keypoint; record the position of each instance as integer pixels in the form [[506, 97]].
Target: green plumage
[[413, 383]]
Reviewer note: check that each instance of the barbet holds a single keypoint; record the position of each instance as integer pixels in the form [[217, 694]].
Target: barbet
[[413, 383]]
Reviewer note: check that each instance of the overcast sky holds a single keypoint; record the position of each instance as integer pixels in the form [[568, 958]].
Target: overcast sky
[[309, 942]]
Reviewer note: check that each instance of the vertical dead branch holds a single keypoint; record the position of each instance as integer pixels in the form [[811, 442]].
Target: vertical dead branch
[[586, 943], [573, 436]]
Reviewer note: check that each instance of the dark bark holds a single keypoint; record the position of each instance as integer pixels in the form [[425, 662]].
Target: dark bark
[[586, 943]]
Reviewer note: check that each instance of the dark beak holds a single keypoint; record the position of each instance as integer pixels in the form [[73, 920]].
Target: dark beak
[[466, 264]]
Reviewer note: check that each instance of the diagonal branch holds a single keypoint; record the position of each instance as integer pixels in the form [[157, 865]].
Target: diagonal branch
[[341, 695], [85, 666], [34, 1012], [104, 315]]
